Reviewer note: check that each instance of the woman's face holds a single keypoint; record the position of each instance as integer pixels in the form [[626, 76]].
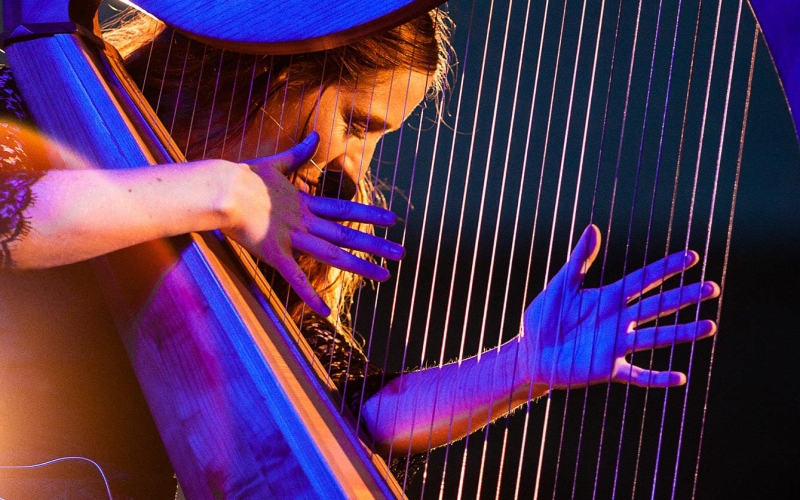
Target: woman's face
[[350, 122]]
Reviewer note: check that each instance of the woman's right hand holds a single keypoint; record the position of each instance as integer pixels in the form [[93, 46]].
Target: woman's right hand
[[576, 336], [263, 211]]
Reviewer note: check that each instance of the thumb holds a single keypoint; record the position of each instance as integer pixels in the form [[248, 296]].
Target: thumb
[[583, 256], [290, 160]]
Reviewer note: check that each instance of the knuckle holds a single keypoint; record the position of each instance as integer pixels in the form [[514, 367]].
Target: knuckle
[[306, 219], [296, 276], [331, 252], [344, 208], [346, 235]]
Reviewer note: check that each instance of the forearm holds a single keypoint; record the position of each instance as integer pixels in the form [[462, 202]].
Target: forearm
[[79, 214], [431, 407]]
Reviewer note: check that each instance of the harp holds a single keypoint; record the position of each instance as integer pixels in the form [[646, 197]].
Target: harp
[[582, 467]]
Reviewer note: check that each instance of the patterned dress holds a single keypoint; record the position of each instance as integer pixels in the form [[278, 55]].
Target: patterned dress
[[16, 174]]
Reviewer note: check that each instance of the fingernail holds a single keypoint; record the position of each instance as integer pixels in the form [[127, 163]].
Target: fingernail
[[706, 328], [690, 257], [389, 218], [310, 138], [322, 308], [398, 252], [709, 289]]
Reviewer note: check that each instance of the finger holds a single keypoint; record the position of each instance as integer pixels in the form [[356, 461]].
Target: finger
[[582, 257], [665, 336], [344, 210], [642, 280], [328, 253], [290, 160], [641, 377], [297, 279], [670, 301], [343, 236]]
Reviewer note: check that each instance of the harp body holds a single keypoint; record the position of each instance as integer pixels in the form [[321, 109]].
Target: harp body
[[187, 258]]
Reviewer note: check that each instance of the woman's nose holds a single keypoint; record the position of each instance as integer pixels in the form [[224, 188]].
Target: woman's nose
[[340, 176]]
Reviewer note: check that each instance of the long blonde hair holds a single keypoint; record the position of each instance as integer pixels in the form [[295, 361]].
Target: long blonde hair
[[169, 66]]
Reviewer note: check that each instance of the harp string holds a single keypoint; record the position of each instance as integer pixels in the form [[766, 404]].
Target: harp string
[[708, 229], [496, 232], [478, 237], [435, 274], [196, 94], [512, 254], [400, 267], [690, 221], [213, 105], [680, 157], [476, 247], [357, 305], [416, 275], [574, 214], [180, 87], [658, 166], [548, 399], [546, 417], [753, 52], [231, 105], [589, 107], [625, 113], [239, 153], [439, 240], [529, 266], [262, 118], [351, 93], [164, 76], [625, 408], [604, 123], [608, 388], [378, 286], [647, 239]]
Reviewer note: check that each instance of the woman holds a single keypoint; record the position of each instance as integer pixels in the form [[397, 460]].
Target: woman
[[350, 96]]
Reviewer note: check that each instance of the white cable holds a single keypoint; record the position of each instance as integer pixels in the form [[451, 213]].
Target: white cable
[[64, 459]]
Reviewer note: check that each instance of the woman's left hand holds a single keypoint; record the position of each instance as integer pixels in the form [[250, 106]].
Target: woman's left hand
[[574, 337], [277, 222]]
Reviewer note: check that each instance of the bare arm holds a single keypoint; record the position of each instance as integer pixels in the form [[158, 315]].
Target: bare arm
[[72, 215], [79, 214], [572, 337]]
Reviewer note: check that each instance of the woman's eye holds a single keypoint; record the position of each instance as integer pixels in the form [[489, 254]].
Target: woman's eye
[[357, 130]]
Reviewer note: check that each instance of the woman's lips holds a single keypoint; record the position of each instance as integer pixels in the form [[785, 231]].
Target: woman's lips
[[330, 184], [304, 184]]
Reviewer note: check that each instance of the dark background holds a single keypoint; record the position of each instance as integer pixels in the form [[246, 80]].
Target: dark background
[[750, 440]]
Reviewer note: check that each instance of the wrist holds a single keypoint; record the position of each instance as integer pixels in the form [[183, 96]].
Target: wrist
[[222, 193], [531, 382]]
